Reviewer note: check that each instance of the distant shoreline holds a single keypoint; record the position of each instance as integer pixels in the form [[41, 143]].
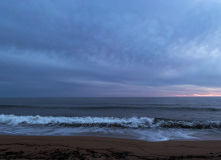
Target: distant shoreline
[[71, 147]]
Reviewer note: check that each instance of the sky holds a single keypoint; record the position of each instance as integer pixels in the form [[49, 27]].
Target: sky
[[110, 48]]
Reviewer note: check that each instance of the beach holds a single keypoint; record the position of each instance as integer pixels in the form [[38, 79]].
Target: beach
[[71, 147], [110, 128], [110, 79]]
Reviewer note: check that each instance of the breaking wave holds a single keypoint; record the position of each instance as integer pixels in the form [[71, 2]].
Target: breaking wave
[[107, 122]]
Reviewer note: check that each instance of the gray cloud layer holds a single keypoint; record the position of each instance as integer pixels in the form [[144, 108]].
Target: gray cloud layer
[[109, 48]]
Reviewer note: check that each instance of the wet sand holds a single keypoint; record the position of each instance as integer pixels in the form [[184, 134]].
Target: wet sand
[[99, 148]]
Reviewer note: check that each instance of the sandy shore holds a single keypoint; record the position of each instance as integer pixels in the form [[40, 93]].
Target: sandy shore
[[97, 148]]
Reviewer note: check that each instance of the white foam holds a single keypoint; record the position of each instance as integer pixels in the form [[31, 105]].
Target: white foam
[[131, 122], [25, 125], [43, 120]]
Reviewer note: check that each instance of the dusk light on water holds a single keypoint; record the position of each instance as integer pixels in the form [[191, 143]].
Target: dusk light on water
[[110, 79]]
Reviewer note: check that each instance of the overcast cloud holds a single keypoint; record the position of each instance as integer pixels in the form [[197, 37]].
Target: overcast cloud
[[110, 48]]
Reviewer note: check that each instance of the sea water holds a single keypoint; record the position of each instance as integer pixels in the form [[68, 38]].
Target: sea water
[[149, 119]]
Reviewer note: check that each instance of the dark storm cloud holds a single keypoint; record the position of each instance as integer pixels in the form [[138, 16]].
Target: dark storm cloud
[[109, 48]]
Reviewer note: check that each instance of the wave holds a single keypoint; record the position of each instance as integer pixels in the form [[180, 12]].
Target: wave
[[114, 122], [156, 107]]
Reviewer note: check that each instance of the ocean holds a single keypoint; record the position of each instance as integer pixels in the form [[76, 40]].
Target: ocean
[[148, 119]]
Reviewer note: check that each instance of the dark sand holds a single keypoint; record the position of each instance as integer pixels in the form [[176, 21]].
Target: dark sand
[[37, 147]]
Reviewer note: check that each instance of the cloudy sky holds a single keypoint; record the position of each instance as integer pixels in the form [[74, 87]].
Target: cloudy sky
[[110, 48]]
